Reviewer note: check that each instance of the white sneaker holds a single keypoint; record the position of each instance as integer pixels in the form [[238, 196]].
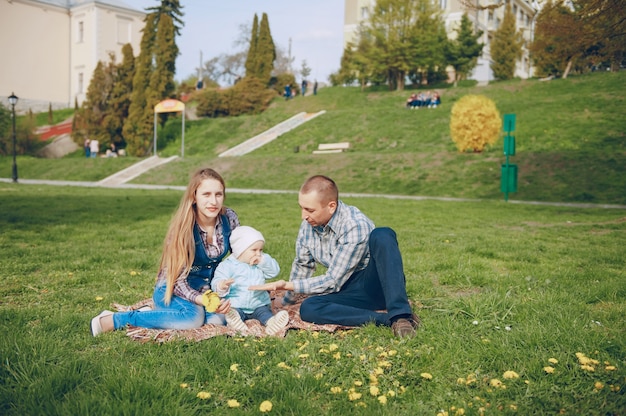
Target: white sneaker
[[96, 327], [276, 323], [234, 321]]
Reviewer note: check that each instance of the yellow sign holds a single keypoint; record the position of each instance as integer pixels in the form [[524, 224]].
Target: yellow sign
[[169, 106]]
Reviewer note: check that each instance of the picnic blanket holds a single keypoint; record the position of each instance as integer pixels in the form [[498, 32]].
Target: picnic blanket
[[210, 330]]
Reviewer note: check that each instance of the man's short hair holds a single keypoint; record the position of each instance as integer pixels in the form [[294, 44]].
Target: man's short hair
[[325, 187]]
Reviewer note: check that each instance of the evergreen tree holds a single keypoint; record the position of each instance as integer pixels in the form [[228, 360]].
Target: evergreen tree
[[94, 107], [119, 101], [266, 52], [251, 59], [137, 130], [506, 47], [462, 53], [162, 78]]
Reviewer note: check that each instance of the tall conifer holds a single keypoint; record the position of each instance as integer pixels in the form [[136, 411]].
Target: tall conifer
[[506, 47]]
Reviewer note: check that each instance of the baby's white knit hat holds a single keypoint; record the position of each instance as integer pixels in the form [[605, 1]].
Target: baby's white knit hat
[[243, 237]]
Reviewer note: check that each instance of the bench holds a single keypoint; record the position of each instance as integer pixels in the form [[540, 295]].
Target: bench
[[332, 147]]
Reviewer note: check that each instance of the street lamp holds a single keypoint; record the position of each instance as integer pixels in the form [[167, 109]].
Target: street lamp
[[13, 101]]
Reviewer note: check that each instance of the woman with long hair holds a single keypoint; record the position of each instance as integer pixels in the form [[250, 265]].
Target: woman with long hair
[[196, 242]]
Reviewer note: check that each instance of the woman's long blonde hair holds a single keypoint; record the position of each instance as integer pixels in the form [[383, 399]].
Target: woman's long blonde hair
[[179, 249]]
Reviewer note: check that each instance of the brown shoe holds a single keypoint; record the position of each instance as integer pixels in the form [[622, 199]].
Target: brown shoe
[[405, 328]]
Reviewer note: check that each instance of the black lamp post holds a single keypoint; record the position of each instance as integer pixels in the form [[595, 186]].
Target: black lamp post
[[13, 101]]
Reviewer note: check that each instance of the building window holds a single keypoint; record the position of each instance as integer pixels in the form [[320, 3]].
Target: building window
[[443, 4], [364, 13], [80, 82], [81, 32], [123, 31]]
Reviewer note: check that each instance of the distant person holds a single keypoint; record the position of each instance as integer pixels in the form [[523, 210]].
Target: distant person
[[196, 242], [87, 148], [435, 100], [364, 278], [411, 102], [94, 147], [287, 92], [248, 265], [304, 85], [315, 88]]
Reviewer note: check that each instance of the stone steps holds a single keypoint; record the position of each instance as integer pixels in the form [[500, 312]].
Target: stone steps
[[134, 171]]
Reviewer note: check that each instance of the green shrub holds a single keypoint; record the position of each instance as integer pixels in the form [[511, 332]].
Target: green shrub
[[474, 123], [248, 96]]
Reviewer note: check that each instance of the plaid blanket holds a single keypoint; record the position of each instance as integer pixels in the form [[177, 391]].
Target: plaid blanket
[[210, 330]]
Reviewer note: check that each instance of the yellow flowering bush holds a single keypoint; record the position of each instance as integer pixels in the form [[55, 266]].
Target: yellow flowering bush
[[474, 123]]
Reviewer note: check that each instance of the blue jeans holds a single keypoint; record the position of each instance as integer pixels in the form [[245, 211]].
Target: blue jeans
[[380, 286], [179, 314], [262, 314]]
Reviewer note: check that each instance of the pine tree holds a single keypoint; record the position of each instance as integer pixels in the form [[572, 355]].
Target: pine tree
[[462, 52], [266, 51], [138, 126], [251, 59], [119, 101], [506, 47]]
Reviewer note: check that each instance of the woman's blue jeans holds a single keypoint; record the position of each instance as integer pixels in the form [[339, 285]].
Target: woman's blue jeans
[[380, 286], [179, 314]]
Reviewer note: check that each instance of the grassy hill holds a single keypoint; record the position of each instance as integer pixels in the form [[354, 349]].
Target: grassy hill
[[570, 137]]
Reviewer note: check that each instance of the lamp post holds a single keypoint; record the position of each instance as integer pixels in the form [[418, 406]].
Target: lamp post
[[13, 101]]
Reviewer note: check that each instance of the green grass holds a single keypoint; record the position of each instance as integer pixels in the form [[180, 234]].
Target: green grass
[[499, 287], [570, 145]]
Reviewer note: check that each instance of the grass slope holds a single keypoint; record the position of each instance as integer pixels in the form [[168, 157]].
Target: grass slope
[[570, 138]]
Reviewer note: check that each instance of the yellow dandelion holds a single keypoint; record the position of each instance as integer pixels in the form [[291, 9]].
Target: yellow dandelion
[[548, 369], [378, 371], [610, 368], [510, 375], [323, 351], [553, 361], [373, 379], [442, 413], [459, 412], [133, 273], [233, 403], [282, 364], [402, 389], [382, 399], [99, 298], [588, 368], [318, 376], [337, 355], [362, 357], [203, 395], [333, 347], [303, 346], [234, 368], [426, 376], [353, 395], [598, 385], [513, 406], [360, 404], [495, 383], [615, 388], [383, 354], [184, 385], [392, 353], [384, 364], [261, 353], [374, 390], [257, 368], [335, 390], [358, 383], [460, 380], [303, 356], [265, 406]]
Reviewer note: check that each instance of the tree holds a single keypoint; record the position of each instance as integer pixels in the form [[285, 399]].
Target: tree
[[462, 53], [605, 29], [474, 123], [557, 44], [119, 100], [252, 57], [506, 47], [305, 70]]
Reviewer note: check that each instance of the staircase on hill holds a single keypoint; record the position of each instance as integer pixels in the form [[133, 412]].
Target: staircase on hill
[[134, 171], [269, 135]]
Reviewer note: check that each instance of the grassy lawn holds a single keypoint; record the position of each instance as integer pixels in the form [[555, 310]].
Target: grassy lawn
[[506, 293], [570, 140]]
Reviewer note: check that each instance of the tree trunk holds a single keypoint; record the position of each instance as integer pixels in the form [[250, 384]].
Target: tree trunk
[[568, 68]]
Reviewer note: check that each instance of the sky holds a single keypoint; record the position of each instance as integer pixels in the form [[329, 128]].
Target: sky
[[212, 26]]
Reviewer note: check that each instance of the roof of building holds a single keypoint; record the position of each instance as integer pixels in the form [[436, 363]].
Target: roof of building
[[69, 4]]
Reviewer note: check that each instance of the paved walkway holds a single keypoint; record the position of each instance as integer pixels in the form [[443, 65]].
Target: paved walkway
[[277, 191]]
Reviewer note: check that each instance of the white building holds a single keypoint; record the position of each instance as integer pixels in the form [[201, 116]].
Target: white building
[[486, 16], [50, 48]]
